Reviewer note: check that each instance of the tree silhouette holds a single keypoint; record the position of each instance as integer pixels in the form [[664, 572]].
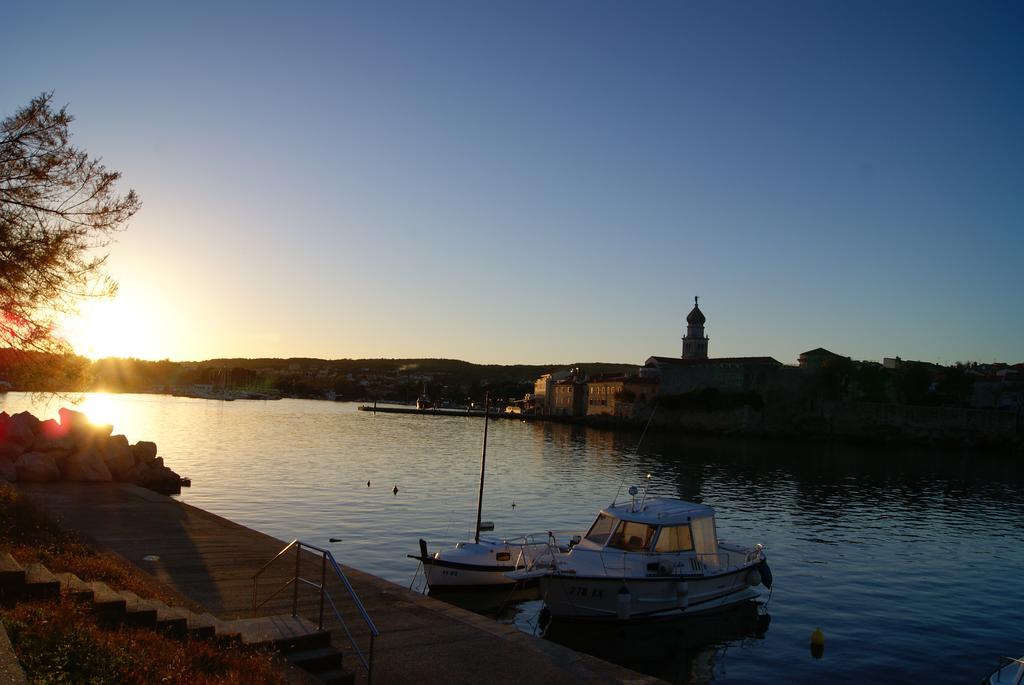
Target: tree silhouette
[[59, 209]]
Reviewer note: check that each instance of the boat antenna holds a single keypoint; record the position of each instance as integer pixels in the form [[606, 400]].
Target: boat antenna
[[636, 449], [483, 465], [647, 486]]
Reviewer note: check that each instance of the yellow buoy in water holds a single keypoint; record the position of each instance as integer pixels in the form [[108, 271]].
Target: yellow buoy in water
[[817, 643]]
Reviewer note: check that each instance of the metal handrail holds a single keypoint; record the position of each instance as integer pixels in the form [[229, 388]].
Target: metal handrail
[[296, 580]]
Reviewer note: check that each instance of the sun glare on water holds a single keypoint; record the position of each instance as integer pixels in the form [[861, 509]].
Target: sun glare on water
[[100, 408]]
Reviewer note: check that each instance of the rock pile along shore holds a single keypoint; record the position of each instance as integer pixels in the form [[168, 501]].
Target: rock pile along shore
[[77, 450]]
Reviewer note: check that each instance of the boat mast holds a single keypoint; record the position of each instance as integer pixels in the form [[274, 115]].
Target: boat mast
[[483, 465]]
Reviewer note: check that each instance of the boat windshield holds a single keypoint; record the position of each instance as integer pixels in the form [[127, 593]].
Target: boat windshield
[[599, 532], [632, 536]]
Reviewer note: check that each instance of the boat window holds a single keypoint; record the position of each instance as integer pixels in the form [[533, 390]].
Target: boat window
[[704, 540], [602, 527], [632, 536], [674, 539]]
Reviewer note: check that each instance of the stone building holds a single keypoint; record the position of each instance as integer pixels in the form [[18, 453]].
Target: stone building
[[617, 396], [542, 391], [814, 360], [733, 374], [569, 397], [695, 371]]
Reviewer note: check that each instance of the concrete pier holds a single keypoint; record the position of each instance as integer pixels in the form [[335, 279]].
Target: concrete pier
[[212, 560]]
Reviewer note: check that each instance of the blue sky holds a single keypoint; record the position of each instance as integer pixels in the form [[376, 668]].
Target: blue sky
[[549, 182]]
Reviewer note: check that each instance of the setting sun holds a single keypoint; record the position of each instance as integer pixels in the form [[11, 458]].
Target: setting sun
[[119, 327]]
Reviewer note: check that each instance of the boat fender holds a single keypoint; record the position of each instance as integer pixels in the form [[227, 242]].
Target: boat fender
[[683, 594], [622, 602], [766, 574], [753, 578]]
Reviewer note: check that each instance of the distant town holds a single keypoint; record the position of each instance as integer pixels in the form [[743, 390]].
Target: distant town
[[823, 393]]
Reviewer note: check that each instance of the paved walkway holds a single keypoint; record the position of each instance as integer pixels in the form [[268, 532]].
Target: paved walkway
[[212, 561]]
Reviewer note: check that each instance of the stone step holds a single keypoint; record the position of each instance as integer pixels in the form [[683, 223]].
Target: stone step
[[201, 626], [137, 613], [224, 630], [74, 587], [40, 583], [316, 660], [12, 576], [305, 645], [283, 633], [106, 601], [173, 620], [337, 677]]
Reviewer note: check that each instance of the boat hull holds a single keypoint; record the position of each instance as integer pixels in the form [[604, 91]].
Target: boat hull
[[603, 598], [448, 575], [483, 563]]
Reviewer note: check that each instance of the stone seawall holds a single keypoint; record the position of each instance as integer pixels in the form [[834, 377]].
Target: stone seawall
[[945, 425], [854, 421]]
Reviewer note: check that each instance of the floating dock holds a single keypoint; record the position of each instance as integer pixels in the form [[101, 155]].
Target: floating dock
[[392, 409]]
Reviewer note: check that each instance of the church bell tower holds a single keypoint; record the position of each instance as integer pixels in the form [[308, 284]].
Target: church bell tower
[[695, 343]]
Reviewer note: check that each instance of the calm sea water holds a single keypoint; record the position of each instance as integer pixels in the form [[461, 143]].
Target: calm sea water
[[910, 560]]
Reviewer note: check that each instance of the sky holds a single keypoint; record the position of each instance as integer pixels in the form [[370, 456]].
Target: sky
[[547, 182]]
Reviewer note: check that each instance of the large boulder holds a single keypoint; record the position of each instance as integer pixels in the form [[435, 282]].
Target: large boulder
[[16, 435], [37, 467], [94, 437], [160, 479], [86, 466], [118, 456], [72, 420], [134, 474], [8, 471], [144, 451], [28, 420], [53, 437], [86, 435]]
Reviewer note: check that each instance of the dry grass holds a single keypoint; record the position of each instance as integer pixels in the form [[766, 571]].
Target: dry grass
[[60, 642]]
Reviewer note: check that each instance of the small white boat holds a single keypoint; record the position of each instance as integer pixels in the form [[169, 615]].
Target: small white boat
[[654, 558], [483, 562], [1010, 672]]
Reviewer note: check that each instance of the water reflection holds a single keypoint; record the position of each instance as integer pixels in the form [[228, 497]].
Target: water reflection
[[506, 604], [901, 555], [688, 650]]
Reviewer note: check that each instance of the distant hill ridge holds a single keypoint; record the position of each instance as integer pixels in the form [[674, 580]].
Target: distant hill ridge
[[292, 376]]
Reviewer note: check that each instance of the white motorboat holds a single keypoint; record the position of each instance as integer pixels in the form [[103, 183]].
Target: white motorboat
[[483, 562], [651, 558]]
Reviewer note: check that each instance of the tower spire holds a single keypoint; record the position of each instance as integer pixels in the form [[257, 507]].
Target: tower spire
[[695, 343]]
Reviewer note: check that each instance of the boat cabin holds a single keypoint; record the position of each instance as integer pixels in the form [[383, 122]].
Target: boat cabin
[[654, 527]]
